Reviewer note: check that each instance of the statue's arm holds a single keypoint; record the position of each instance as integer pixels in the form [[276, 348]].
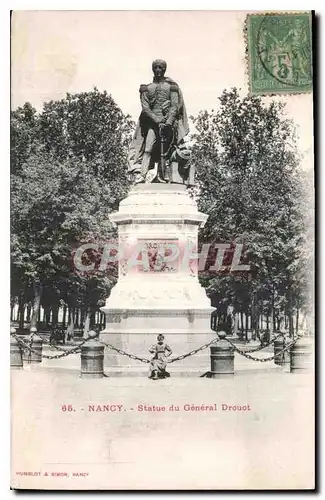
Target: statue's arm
[[174, 99], [146, 106]]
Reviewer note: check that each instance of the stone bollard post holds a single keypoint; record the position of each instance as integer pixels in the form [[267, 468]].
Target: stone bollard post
[[92, 358], [222, 358], [281, 357], [16, 358], [301, 356], [34, 356]]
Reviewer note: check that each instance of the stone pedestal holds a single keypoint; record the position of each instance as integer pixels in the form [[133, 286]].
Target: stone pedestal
[[158, 289]]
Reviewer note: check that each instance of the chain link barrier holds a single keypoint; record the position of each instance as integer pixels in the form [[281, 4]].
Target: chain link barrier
[[263, 360], [258, 348], [28, 346], [194, 351], [47, 342], [124, 353], [44, 340], [30, 342], [172, 360], [25, 345]]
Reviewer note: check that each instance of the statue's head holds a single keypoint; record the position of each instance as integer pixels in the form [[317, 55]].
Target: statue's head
[[159, 67], [160, 338]]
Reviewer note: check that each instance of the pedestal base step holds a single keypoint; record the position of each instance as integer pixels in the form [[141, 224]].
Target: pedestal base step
[[136, 371]]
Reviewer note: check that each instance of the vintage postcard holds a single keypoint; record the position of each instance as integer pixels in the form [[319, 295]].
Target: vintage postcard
[[162, 250]]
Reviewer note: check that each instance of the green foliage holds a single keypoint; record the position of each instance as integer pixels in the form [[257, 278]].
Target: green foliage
[[249, 185], [68, 174], [23, 132]]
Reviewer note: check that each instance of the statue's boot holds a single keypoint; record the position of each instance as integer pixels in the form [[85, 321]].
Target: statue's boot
[[151, 175], [160, 179], [145, 164], [138, 178]]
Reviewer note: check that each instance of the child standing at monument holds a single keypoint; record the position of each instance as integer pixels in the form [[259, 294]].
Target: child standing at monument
[[158, 364]]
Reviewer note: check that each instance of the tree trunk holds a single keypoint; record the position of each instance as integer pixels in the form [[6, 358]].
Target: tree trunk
[[291, 327], [290, 314], [275, 320], [242, 323], [36, 304], [47, 316], [87, 324], [21, 310], [236, 321], [92, 318], [69, 314], [257, 325], [29, 310], [55, 315], [64, 315], [297, 321], [75, 313], [103, 321], [273, 326], [12, 313], [22, 317], [246, 326], [253, 317], [82, 318], [70, 329]]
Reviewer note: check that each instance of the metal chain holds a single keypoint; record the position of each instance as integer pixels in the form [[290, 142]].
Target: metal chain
[[259, 348], [30, 342], [124, 353], [47, 342], [74, 350], [145, 360], [194, 351], [262, 360]]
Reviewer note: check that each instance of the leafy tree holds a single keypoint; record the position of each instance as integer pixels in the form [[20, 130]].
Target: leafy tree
[[63, 189], [23, 135], [91, 127], [249, 184]]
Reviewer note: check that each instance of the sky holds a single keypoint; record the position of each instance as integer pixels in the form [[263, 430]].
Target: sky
[[54, 52]]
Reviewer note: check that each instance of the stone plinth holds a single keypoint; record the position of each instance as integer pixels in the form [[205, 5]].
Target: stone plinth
[[158, 290]]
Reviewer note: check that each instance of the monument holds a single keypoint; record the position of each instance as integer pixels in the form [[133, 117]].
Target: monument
[[158, 291], [158, 152]]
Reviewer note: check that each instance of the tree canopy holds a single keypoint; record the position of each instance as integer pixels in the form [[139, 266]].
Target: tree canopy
[[249, 184], [68, 174]]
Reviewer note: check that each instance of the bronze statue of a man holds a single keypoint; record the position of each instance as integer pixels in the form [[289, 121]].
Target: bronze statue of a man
[[158, 140]]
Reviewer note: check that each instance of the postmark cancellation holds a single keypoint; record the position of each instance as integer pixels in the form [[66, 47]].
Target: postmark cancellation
[[279, 53]]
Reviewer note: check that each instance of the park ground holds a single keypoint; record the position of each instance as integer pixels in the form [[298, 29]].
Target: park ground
[[104, 441]]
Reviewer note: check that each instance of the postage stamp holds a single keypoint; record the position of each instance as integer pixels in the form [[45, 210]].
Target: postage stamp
[[279, 53]]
